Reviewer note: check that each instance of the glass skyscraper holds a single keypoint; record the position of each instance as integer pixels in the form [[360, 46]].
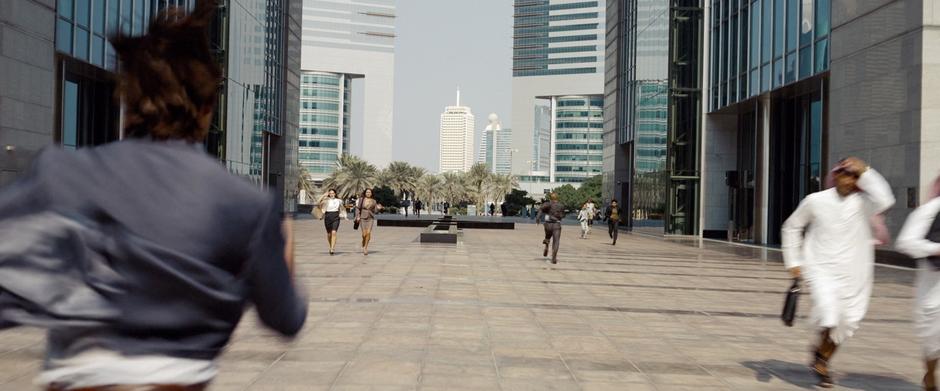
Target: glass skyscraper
[[356, 38], [558, 57], [767, 100], [324, 121], [249, 37], [578, 142], [637, 118], [760, 45], [555, 38]]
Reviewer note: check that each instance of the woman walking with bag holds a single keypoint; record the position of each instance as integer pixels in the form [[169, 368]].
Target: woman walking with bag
[[330, 205], [920, 239], [365, 216]]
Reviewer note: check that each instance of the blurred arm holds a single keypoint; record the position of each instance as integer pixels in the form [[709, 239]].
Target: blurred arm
[[271, 288], [792, 234], [913, 237], [877, 190]]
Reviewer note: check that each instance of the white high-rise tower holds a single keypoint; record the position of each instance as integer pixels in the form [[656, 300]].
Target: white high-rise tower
[[456, 152]]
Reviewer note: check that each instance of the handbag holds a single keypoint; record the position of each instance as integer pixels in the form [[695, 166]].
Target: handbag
[[318, 212], [789, 304], [358, 209]]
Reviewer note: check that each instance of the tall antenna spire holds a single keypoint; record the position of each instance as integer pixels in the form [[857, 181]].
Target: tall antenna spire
[[458, 95]]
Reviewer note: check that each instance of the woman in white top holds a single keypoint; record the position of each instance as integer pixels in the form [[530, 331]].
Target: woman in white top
[[331, 207], [829, 241], [916, 241]]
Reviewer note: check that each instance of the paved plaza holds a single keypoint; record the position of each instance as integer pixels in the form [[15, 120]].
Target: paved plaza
[[491, 314]]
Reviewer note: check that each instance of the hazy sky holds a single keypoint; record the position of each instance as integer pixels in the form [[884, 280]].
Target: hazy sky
[[440, 45]]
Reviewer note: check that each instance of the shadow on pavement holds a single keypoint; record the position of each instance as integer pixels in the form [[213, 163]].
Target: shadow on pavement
[[801, 376]]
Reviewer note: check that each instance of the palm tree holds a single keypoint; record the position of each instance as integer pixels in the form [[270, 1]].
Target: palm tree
[[477, 178], [416, 174], [429, 187], [453, 188], [400, 177], [352, 175], [500, 185], [305, 185]]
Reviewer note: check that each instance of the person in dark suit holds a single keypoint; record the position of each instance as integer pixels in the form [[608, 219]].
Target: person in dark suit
[[141, 256]]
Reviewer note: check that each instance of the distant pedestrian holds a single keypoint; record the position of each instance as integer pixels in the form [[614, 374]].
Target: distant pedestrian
[[446, 208], [417, 208], [405, 204], [365, 216], [836, 255], [554, 212], [920, 239], [141, 256], [592, 211], [492, 208], [612, 216], [504, 209], [584, 217], [331, 207]]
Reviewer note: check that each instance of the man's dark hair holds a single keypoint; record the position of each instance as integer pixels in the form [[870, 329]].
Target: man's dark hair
[[168, 78]]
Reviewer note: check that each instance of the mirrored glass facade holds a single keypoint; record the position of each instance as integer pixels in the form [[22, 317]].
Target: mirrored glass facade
[[760, 45], [649, 145], [83, 26], [87, 113], [247, 132]]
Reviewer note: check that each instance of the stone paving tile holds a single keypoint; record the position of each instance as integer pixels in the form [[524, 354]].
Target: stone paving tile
[[491, 314]]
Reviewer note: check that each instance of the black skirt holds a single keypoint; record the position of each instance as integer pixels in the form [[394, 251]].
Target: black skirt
[[331, 221]]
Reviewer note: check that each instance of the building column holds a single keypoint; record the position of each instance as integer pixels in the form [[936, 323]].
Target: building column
[[551, 159], [341, 112], [763, 169]]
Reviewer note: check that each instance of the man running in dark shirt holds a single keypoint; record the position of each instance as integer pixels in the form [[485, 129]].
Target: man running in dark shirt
[[554, 212]]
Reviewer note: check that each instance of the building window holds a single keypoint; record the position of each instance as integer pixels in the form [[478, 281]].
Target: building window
[[70, 115]]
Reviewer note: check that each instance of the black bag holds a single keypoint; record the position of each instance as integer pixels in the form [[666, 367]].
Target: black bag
[[789, 305], [358, 209], [933, 235]]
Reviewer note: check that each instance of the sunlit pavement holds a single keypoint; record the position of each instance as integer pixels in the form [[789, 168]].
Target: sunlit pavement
[[491, 314]]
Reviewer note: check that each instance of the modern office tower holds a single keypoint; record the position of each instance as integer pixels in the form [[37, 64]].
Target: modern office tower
[[541, 140], [503, 151], [767, 85], [324, 121], [558, 51], [58, 80], [637, 95], [487, 152], [578, 129], [356, 38], [765, 95], [496, 147], [456, 138]]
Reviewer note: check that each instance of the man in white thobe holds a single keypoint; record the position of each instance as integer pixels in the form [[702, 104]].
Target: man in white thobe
[[828, 241], [914, 242]]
